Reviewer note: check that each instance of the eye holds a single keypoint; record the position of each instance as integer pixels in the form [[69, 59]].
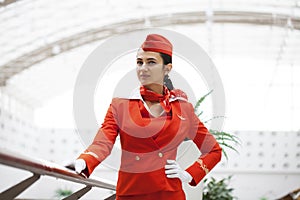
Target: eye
[[139, 63], [151, 63]]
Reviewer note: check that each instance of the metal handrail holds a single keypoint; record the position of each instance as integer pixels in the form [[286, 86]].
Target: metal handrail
[[42, 167]]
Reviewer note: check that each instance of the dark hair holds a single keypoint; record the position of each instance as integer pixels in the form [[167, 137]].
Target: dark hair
[[166, 60]]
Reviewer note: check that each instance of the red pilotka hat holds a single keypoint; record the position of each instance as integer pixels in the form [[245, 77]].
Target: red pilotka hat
[[157, 43]]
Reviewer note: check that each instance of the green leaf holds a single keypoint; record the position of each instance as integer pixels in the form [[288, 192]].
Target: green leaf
[[226, 140], [63, 192], [215, 117], [217, 189], [228, 135], [198, 115], [225, 154], [201, 100], [229, 146]]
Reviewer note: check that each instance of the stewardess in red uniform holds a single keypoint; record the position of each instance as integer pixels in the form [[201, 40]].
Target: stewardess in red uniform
[[151, 125]]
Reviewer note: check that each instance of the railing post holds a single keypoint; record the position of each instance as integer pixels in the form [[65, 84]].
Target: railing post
[[112, 197], [17, 189], [79, 193]]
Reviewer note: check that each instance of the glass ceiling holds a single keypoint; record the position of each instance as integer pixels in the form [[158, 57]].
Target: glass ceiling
[[255, 46]]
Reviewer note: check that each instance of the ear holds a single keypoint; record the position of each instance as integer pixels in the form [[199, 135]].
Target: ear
[[168, 68]]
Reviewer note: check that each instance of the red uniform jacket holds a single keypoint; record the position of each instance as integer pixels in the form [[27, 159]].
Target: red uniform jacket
[[148, 142]]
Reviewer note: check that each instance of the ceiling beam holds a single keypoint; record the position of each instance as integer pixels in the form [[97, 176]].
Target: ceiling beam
[[7, 2], [29, 59]]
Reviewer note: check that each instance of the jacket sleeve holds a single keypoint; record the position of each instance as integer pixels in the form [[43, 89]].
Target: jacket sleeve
[[210, 150], [103, 142]]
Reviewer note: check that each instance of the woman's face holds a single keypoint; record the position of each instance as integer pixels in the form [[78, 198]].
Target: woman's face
[[150, 68]]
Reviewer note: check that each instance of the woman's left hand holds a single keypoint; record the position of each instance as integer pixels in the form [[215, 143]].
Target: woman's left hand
[[173, 170]]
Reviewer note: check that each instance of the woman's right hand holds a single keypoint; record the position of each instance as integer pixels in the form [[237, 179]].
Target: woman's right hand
[[79, 165]]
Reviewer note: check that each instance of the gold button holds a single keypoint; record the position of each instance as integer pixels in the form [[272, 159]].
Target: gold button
[[137, 158], [160, 154]]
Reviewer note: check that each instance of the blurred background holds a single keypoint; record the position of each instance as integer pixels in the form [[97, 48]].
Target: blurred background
[[255, 46]]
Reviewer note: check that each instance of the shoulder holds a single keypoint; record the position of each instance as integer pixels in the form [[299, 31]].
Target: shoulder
[[179, 99], [178, 94], [123, 105], [117, 101], [183, 104]]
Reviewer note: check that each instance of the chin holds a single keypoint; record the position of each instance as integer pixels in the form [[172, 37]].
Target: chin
[[145, 82]]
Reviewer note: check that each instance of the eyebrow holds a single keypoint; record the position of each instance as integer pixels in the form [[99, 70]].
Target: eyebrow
[[147, 59]]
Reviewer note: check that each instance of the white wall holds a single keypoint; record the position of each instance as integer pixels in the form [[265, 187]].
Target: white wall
[[267, 165]]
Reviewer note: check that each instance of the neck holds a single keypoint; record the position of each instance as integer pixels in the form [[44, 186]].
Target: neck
[[155, 88]]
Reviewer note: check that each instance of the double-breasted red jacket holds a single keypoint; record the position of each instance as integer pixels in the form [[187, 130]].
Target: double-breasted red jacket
[[147, 143]]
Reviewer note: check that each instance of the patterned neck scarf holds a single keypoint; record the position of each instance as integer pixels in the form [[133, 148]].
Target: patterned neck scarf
[[163, 99]]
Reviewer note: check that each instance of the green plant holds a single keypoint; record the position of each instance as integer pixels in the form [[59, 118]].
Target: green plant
[[263, 198], [60, 193], [226, 140], [213, 189], [217, 190]]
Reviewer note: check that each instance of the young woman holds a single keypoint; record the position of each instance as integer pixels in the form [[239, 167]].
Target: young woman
[[151, 125]]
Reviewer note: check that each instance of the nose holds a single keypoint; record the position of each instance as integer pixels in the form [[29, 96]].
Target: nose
[[143, 67]]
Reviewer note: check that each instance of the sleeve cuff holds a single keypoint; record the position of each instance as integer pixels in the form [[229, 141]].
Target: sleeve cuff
[[91, 163], [196, 172]]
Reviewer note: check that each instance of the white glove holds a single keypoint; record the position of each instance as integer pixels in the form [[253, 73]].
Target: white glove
[[79, 165], [173, 170]]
